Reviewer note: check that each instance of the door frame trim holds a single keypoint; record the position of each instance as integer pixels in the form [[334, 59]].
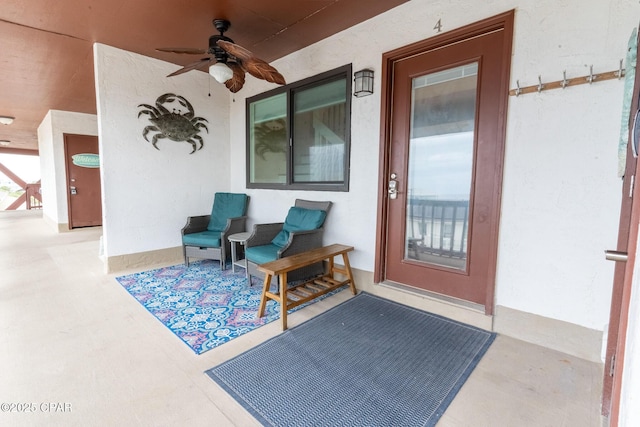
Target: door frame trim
[[503, 22]]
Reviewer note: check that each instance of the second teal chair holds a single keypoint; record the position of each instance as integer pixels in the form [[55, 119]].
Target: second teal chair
[[302, 230]]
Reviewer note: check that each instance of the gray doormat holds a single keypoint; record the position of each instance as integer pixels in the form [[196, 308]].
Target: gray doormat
[[366, 362]]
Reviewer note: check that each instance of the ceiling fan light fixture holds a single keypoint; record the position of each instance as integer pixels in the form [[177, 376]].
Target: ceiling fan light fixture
[[6, 120], [220, 72]]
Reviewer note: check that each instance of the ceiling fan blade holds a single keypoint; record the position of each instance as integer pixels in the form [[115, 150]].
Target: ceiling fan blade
[[235, 50], [254, 66], [236, 82], [184, 50], [261, 70], [193, 66]]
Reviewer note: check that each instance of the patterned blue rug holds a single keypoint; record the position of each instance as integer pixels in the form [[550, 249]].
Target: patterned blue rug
[[366, 362], [203, 305]]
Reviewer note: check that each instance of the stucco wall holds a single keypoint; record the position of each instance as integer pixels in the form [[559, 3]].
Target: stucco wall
[[47, 170], [561, 197], [52, 160], [147, 194]]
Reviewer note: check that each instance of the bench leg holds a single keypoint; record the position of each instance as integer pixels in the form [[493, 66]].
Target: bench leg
[[263, 298], [347, 266], [283, 300]]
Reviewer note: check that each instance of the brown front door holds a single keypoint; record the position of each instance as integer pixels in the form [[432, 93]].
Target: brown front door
[[83, 180], [621, 283], [444, 172]]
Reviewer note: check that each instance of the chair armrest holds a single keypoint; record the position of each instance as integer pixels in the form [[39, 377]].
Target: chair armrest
[[196, 224], [302, 241], [234, 225], [263, 234]]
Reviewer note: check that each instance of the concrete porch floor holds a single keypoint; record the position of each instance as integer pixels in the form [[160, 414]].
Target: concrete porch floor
[[79, 348]]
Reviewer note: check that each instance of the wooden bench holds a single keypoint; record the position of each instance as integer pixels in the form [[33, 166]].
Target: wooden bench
[[304, 292]]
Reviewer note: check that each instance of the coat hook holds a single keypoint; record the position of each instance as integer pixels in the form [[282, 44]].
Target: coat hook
[[517, 87], [540, 85], [619, 72], [591, 77], [564, 82]]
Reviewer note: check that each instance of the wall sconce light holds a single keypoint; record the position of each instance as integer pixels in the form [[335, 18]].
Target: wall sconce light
[[363, 83], [6, 120]]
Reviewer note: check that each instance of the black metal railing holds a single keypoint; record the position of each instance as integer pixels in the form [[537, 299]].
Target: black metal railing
[[437, 227]]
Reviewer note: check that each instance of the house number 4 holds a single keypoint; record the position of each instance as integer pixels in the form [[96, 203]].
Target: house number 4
[[438, 25]]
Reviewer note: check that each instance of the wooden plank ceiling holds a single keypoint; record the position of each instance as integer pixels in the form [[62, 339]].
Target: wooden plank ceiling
[[46, 46]]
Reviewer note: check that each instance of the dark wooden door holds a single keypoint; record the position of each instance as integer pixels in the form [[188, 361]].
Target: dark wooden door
[[621, 283], [83, 180], [445, 164]]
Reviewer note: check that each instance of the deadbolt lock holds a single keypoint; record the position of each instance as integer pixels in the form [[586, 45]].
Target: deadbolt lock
[[393, 187]]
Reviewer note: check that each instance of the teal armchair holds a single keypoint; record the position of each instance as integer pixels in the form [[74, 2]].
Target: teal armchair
[[301, 231], [206, 236]]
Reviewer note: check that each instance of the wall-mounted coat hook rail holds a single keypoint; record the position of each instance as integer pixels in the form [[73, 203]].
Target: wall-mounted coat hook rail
[[565, 82]]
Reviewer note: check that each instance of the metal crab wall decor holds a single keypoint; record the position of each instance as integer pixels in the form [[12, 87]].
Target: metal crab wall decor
[[175, 125]]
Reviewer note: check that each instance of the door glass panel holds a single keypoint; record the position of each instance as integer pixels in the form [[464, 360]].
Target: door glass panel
[[440, 166]]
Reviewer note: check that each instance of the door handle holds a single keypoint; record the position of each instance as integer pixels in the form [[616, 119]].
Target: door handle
[[73, 190], [615, 255]]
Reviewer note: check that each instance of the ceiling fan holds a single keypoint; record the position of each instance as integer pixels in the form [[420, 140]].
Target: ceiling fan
[[227, 61]]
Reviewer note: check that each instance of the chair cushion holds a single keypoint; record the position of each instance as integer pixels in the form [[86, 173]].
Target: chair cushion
[[203, 239], [299, 219], [262, 254], [225, 206]]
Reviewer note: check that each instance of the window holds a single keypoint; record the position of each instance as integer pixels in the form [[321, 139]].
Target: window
[[298, 134]]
